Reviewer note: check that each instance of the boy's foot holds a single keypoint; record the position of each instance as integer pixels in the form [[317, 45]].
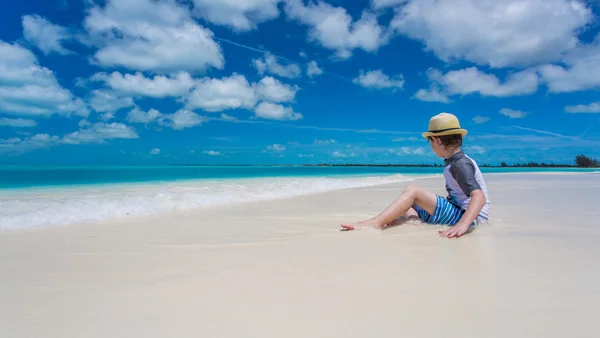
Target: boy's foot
[[359, 225]]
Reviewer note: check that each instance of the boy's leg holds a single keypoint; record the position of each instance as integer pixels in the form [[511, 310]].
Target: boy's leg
[[413, 194], [410, 215]]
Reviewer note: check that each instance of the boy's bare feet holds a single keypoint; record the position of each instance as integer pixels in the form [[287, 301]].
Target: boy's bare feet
[[359, 225]]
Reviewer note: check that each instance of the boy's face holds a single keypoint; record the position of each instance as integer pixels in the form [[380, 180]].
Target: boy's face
[[437, 147]]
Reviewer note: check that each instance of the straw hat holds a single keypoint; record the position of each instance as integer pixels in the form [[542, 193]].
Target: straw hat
[[444, 124]]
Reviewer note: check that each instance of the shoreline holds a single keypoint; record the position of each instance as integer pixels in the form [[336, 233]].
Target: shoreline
[[61, 198]]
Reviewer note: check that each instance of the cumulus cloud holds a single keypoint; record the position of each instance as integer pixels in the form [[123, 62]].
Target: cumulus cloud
[[148, 35], [269, 64], [378, 80], [271, 89], [26, 88], [513, 114], [330, 141], [105, 101], [431, 95], [240, 15], [473, 81], [404, 151], [475, 149], [273, 111], [99, 132], [45, 35], [212, 153], [335, 29], [215, 95], [492, 32], [377, 4], [480, 119], [584, 108], [312, 69], [276, 147], [183, 119], [580, 70], [136, 115], [17, 123], [137, 84]]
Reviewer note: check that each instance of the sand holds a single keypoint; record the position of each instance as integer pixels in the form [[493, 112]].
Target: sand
[[283, 269]]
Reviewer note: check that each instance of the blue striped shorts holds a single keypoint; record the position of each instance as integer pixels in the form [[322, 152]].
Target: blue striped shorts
[[445, 213]]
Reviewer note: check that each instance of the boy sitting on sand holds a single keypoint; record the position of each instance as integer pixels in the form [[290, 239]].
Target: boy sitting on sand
[[467, 203]]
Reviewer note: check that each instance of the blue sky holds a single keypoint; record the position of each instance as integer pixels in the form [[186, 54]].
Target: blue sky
[[293, 81]]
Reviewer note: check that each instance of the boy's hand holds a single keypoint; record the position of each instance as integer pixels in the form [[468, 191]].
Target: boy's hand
[[456, 231]]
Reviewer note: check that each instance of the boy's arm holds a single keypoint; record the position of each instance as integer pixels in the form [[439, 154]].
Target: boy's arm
[[463, 172], [475, 205]]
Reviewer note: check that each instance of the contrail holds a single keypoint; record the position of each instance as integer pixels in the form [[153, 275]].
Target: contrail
[[548, 133], [263, 51], [286, 125]]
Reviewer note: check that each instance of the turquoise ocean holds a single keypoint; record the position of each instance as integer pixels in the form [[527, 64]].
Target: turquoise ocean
[[35, 196]]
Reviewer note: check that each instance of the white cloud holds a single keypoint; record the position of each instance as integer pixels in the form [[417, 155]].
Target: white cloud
[[312, 69], [104, 101], [183, 119], [302, 55], [404, 151], [584, 108], [272, 111], [377, 79], [26, 88], [334, 28], [17, 123], [136, 115], [404, 139], [214, 95], [155, 151], [241, 15], [229, 118], [330, 141], [32, 100], [471, 80], [271, 89], [513, 114], [84, 123], [377, 4], [17, 145], [480, 119], [212, 153], [96, 133], [138, 85], [107, 116], [580, 72], [151, 35], [498, 33], [340, 154], [276, 147], [99, 132], [305, 155], [269, 64], [475, 149], [19, 66], [45, 35], [431, 95]]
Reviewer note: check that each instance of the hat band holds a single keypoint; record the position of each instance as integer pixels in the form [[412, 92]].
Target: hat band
[[442, 130]]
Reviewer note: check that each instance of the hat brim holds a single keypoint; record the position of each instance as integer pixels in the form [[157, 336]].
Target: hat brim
[[461, 132]]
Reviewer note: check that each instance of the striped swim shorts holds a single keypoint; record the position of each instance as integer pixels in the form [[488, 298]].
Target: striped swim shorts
[[445, 213]]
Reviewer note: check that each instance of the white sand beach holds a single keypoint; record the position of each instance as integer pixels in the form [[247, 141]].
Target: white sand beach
[[283, 268]]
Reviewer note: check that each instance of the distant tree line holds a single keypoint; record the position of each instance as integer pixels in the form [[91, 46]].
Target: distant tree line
[[581, 161]]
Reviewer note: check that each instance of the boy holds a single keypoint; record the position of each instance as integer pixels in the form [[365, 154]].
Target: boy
[[467, 203]]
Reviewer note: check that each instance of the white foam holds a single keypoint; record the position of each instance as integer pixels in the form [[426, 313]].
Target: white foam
[[46, 207]]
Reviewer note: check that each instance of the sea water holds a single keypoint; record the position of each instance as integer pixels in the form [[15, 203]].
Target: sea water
[[45, 196]]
